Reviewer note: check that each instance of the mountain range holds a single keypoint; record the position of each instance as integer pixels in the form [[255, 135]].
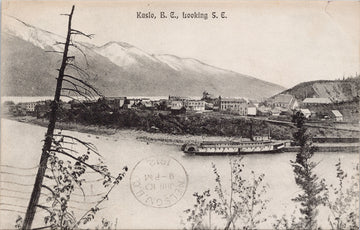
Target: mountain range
[[29, 66]]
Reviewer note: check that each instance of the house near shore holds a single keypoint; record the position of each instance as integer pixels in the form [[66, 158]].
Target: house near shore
[[29, 106], [234, 105], [26, 108]]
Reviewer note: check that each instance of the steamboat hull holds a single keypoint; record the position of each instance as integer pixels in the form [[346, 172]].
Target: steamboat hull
[[230, 149]]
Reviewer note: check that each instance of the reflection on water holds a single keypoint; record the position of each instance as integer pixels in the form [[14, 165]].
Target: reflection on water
[[21, 146]]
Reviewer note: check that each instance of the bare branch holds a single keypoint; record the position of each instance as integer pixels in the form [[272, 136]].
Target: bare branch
[[53, 51], [73, 31], [44, 207], [80, 71], [64, 148], [97, 205], [43, 227], [84, 83], [75, 99], [52, 192], [59, 43], [88, 145], [78, 92], [84, 163], [81, 51], [46, 187], [77, 183], [76, 86]]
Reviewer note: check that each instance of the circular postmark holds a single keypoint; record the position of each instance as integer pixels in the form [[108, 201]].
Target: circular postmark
[[158, 181]]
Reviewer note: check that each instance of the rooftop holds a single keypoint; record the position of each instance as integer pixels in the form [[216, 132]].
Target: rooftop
[[234, 100], [283, 98], [320, 100], [336, 113], [305, 111]]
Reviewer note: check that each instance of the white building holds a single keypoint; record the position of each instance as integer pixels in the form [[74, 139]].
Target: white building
[[251, 111], [317, 101], [177, 105], [196, 105], [234, 105], [306, 112], [283, 101], [337, 115]]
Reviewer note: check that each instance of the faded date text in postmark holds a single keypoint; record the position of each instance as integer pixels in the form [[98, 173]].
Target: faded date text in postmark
[[158, 181]]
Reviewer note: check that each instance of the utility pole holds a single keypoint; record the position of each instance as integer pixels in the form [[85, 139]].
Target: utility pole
[[35, 195]]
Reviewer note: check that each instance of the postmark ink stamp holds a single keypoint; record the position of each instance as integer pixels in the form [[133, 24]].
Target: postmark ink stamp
[[158, 181]]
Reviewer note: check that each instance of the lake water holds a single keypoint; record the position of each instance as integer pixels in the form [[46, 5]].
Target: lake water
[[43, 98], [21, 147]]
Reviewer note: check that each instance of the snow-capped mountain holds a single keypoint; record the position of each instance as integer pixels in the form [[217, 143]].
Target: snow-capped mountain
[[123, 54], [116, 68], [189, 64], [41, 38]]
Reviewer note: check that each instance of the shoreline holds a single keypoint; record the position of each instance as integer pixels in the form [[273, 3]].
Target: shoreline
[[164, 138]]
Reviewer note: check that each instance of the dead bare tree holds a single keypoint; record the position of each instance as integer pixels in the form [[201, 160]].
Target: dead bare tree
[[67, 174]]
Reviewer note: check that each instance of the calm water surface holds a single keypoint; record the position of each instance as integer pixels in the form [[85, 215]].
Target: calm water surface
[[21, 147]]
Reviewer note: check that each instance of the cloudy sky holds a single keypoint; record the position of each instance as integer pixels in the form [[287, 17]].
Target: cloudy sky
[[285, 42]]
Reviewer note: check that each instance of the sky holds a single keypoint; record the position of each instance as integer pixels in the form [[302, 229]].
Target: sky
[[284, 42]]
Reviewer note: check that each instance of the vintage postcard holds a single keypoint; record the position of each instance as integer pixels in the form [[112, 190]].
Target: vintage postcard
[[180, 114]]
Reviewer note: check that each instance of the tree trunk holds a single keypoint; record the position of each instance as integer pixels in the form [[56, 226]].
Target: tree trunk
[[35, 195]]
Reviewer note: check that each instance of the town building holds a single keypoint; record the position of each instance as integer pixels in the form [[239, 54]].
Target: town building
[[177, 107], [252, 111], [147, 104], [28, 106], [283, 101], [306, 112], [316, 101], [337, 115], [178, 98], [195, 105], [115, 103], [263, 111], [177, 104], [234, 105], [275, 112]]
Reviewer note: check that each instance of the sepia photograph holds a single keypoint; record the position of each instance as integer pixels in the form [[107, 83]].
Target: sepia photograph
[[143, 114]]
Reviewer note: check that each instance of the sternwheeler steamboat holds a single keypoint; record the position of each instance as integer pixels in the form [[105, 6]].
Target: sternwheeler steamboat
[[257, 144]]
